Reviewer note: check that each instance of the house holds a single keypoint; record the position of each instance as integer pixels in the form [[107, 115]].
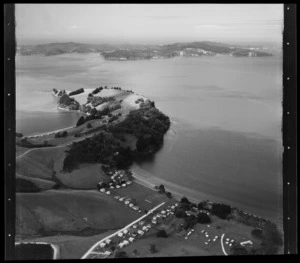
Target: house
[[125, 231], [131, 205], [134, 226], [102, 190], [108, 192], [144, 228], [154, 222], [117, 197], [108, 241], [126, 202], [163, 212], [124, 185], [125, 242], [131, 239], [120, 234], [128, 182], [142, 223], [121, 199], [135, 208], [117, 186]]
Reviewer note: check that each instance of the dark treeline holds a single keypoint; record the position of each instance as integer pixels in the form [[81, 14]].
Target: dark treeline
[[148, 126]]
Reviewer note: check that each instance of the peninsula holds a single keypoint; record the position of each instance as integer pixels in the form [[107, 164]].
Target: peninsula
[[75, 189], [138, 52]]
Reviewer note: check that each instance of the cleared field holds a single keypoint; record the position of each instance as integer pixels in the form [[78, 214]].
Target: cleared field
[[69, 212], [40, 183], [47, 163]]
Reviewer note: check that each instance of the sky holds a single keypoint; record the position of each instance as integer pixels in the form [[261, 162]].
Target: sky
[[148, 23]]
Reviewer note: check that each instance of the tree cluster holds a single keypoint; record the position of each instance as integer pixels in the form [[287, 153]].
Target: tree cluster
[[221, 210], [97, 90], [162, 233], [61, 134], [203, 218], [75, 92]]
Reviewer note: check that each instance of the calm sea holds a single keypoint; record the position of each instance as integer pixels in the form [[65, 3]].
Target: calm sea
[[225, 137]]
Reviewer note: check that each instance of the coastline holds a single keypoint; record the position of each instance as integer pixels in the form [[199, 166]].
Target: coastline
[[50, 132], [177, 191]]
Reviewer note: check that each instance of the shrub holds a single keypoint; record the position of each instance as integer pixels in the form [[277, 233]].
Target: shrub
[[184, 200], [168, 194], [189, 222], [76, 92], [203, 218], [162, 233], [221, 210], [161, 189], [80, 121], [153, 248], [179, 212]]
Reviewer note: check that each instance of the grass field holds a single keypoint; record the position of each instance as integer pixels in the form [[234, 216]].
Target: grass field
[[63, 211], [43, 163]]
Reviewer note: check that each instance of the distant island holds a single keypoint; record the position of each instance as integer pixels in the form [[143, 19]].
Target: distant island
[[138, 52]]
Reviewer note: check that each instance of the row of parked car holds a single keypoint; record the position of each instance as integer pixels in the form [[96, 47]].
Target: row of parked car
[[127, 202]]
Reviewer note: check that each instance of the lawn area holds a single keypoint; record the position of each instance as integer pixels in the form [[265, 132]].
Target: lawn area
[[141, 194]]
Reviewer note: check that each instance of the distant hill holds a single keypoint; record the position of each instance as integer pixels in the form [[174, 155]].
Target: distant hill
[[136, 52]]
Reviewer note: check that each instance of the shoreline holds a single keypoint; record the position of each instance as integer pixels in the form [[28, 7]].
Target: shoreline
[[49, 132], [178, 192]]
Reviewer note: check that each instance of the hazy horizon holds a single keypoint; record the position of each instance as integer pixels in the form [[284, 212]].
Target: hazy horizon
[[149, 23]]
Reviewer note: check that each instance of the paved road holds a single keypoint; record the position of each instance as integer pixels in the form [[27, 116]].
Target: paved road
[[223, 249], [90, 251]]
